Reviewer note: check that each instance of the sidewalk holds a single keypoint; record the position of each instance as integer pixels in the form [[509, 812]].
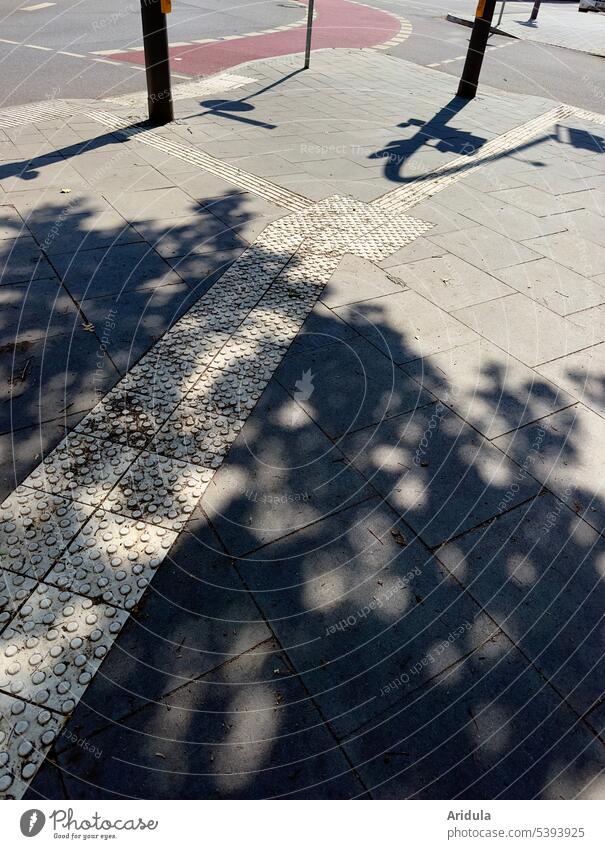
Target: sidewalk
[[558, 25], [328, 518]]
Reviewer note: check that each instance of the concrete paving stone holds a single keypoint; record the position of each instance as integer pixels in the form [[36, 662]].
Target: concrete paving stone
[[554, 286], [357, 279], [419, 249], [485, 248], [36, 528], [81, 468], [438, 473], [27, 732], [356, 600], [53, 647], [243, 731], [201, 233], [489, 389], [112, 559], [585, 223], [374, 389], [322, 327], [579, 254], [265, 166], [201, 271], [37, 172], [537, 202], [245, 214], [559, 451], [11, 223], [450, 282], [155, 204], [132, 321], [37, 310], [79, 220], [110, 271], [488, 728], [537, 571], [524, 328], [593, 320], [159, 490], [21, 450], [48, 783], [195, 616], [202, 186], [406, 326], [126, 418], [21, 261], [282, 475], [552, 178], [71, 369], [582, 375]]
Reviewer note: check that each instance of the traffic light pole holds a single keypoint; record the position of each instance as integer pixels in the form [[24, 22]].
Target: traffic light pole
[[157, 67], [476, 49]]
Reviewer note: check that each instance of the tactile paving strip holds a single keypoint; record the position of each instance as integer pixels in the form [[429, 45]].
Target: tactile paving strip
[[14, 590], [54, 645], [113, 559], [35, 529], [26, 734], [82, 468], [126, 418]]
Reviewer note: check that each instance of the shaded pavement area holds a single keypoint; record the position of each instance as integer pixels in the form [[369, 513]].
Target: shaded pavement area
[[391, 586]]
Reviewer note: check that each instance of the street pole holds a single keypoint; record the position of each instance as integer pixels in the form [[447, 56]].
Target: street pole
[[157, 66], [476, 49], [309, 33], [535, 10]]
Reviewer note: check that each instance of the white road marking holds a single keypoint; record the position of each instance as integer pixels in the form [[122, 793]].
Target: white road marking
[[36, 7]]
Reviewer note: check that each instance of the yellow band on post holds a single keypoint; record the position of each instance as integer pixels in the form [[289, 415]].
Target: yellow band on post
[[166, 6], [480, 9]]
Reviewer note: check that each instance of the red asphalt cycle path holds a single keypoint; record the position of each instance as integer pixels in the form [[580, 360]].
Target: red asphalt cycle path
[[338, 23]]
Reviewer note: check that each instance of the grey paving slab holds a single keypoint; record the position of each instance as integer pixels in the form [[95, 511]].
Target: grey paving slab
[[537, 202], [99, 272], [52, 378], [155, 204], [524, 328], [39, 173], [450, 282], [374, 388], [536, 571], [357, 279], [201, 233], [203, 187], [21, 261], [247, 730], [406, 326], [585, 223], [488, 388], [420, 248], [245, 214], [582, 375], [593, 320], [560, 452], [438, 473], [554, 286], [322, 327], [11, 223], [283, 474], [200, 271], [356, 600], [444, 220], [569, 249], [488, 728], [486, 249], [37, 310]]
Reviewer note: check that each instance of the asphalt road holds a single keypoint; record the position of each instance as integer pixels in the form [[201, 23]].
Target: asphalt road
[[55, 53]]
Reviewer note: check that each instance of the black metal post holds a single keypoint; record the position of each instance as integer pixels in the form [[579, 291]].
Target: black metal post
[[476, 49], [157, 66], [535, 10], [309, 32]]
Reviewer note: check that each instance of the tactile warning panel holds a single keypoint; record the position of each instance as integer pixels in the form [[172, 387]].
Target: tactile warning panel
[[26, 734], [82, 468], [14, 590], [113, 559], [35, 529], [159, 490], [126, 418], [54, 645]]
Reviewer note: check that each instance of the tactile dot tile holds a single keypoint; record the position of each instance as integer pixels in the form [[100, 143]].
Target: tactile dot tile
[[54, 645], [190, 341], [200, 436], [82, 468], [167, 380], [267, 322], [113, 558], [26, 734], [14, 589], [35, 529], [247, 355], [232, 393], [126, 418], [160, 490]]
